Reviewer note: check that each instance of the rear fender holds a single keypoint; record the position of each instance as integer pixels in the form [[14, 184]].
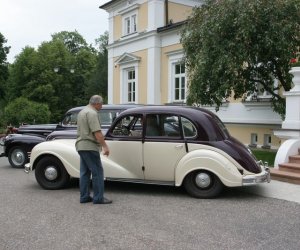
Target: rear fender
[[215, 162]]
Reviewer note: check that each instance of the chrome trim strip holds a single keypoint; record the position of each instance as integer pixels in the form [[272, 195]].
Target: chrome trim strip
[[141, 181]]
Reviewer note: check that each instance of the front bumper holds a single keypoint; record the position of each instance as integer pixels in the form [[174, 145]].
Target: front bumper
[[27, 168], [263, 176]]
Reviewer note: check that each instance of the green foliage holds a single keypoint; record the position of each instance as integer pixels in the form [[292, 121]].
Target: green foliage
[[235, 46], [21, 110], [4, 50], [73, 41], [63, 73], [58, 73], [97, 84]]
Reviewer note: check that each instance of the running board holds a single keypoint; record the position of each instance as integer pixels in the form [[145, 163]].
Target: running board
[[141, 181]]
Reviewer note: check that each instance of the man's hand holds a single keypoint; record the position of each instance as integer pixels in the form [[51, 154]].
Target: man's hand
[[100, 138], [105, 150]]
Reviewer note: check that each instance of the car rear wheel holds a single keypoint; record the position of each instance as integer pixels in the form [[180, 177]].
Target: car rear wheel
[[203, 184], [51, 174], [17, 157]]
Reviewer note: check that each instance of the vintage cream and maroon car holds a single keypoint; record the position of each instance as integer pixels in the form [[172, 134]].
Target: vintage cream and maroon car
[[167, 145]]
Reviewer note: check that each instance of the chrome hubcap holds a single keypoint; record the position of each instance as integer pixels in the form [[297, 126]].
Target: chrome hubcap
[[203, 180], [51, 173], [18, 157]]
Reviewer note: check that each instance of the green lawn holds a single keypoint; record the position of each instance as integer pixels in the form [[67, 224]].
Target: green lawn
[[265, 155]]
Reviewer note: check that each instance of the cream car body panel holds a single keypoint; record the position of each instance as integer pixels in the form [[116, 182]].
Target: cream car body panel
[[161, 159], [124, 161]]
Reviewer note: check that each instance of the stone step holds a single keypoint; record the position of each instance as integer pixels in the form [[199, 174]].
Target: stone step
[[279, 175], [290, 167], [294, 159]]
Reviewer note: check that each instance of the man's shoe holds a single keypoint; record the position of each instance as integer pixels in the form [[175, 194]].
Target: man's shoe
[[104, 201], [90, 199]]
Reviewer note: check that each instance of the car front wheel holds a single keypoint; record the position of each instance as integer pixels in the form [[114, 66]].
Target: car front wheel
[[203, 184], [51, 174], [17, 157]]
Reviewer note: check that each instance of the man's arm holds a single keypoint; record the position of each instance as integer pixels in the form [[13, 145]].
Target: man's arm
[[100, 138]]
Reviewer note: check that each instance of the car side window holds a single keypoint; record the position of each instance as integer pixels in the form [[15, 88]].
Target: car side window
[[171, 126], [130, 126], [107, 116], [188, 128], [70, 119], [162, 125]]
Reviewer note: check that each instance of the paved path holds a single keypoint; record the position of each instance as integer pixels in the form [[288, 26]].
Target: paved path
[[276, 189]]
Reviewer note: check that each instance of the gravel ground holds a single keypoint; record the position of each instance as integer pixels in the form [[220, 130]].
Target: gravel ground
[[141, 217]]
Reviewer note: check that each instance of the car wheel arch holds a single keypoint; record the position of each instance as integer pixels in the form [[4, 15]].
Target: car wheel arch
[[70, 169], [211, 161], [52, 175]]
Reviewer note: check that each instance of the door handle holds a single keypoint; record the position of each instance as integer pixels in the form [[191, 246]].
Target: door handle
[[179, 146]]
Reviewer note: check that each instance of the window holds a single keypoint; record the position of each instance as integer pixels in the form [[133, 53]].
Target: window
[[107, 117], [179, 82], [70, 119], [260, 93], [162, 125], [267, 141], [169, 126], [177, 77], [253, 140], [189, 129], [131, 86], [129, 126], [130, 24]]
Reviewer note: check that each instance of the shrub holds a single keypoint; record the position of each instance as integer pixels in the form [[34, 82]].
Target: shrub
[[21, 110]]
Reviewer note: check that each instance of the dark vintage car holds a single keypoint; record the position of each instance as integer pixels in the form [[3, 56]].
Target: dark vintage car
[[162, 145], [17, 147]]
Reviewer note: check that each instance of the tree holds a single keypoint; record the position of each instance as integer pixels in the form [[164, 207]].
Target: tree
[[4, 50], [72, 40], [235, 47], [57, 73], [98, 81], [21, 110], [20, 73]]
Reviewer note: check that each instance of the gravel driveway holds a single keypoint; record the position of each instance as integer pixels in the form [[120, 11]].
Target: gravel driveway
[[141, 217]]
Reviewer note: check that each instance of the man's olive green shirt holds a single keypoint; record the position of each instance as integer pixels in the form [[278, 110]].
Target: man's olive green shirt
[[88, 122]]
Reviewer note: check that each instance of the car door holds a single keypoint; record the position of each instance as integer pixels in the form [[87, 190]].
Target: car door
[[125, 143], [162, 150]]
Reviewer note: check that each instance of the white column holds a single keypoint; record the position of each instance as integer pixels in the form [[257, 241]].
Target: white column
[[110, 78], [156, 14], [153, 77], [292, 116]]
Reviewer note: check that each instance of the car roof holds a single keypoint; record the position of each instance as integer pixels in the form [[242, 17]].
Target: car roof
[[107, 106], [181, 110]]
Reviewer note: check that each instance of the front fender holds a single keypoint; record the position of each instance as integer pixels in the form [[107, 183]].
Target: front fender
[[64, 150], [213, 161]]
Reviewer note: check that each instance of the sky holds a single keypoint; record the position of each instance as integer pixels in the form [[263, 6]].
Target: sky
[[31, 22]]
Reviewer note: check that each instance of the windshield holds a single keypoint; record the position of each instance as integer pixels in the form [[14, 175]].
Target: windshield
[[106, 117]]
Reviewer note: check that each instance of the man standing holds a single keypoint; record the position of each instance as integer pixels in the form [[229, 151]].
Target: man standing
[[88, 144]]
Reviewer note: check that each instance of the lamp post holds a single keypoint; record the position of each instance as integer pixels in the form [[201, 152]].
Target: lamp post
[[57, 69]]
